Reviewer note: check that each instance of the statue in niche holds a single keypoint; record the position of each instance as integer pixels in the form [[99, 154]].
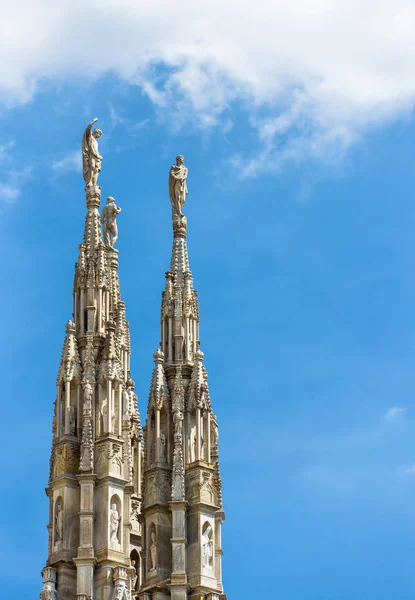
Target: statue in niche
[[87, 397], [126, 403], [177, 186], [192, 445], [207, 544], [104, 413], [134, 577], [163, 447], [59, 523], [177, 420], [46, 593], [115, 518], [109, 222], [91, 158], [153, 551]]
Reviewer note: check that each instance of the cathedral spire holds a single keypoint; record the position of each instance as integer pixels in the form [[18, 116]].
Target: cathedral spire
[[182, 501], [96, 460]]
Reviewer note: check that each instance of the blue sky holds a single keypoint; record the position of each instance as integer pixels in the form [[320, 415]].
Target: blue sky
[[300, 232]]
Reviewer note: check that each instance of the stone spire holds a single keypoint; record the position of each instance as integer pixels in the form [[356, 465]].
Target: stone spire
[[182, 492], [96, 459]]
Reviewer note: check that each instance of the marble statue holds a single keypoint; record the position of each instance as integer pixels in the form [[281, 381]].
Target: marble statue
[[59, 523], [114, 523], [153, 551], [119, 592], [178, 186], [46, 593], [87, 397], [134, 577], [91, 158], [207, 544], [163, 447], [109, 222]]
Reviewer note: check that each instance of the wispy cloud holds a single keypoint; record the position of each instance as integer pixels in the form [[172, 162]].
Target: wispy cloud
[[72, 161], [116, 118], [394, 413], [5, 150], [9, 193], [407, 471], [12, 184]]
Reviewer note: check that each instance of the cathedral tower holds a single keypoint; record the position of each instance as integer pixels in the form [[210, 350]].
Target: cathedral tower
[[96, 460], [182, 499]]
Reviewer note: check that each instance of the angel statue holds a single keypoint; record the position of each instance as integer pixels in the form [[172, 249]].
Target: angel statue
[[91, 158], [177, 186]]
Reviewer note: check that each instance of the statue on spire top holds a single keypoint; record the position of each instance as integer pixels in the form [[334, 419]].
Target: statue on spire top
[[178, 187], [91, 158]]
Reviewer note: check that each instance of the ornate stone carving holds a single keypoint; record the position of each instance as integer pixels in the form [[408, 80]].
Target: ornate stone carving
[[66, 459], [108, 456], [178, 484], [109, 222], [87, 447], [91, 158]]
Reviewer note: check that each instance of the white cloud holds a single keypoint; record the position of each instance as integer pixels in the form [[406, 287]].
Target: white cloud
[[9, 193], [394, 413], [72, 161], [11, 186], [407, 470], [313, 76], [5, 150]]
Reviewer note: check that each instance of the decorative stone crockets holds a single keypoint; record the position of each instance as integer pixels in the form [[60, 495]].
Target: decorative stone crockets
[[96, 457]]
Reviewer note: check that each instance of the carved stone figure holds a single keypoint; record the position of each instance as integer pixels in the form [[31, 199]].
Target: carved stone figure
[[91, 158], [163, 447], [134, 577], [153, 551], [178, 186], [119, 592], [207, 543], [104, 413], [46, 593], [59, 523], [114, 523], [109, 222], [87, 398]]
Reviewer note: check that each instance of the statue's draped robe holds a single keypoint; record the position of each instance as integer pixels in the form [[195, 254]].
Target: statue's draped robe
[[177, 188]]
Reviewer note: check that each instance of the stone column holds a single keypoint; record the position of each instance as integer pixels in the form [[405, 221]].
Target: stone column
[[109, 405], [157, 436], [85, 561], [207, 457], [67, 404], [178, 585], [197, 450]]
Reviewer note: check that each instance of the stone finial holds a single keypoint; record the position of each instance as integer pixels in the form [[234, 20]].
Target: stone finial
[[91, 158], [158, 356], [70, 327]]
